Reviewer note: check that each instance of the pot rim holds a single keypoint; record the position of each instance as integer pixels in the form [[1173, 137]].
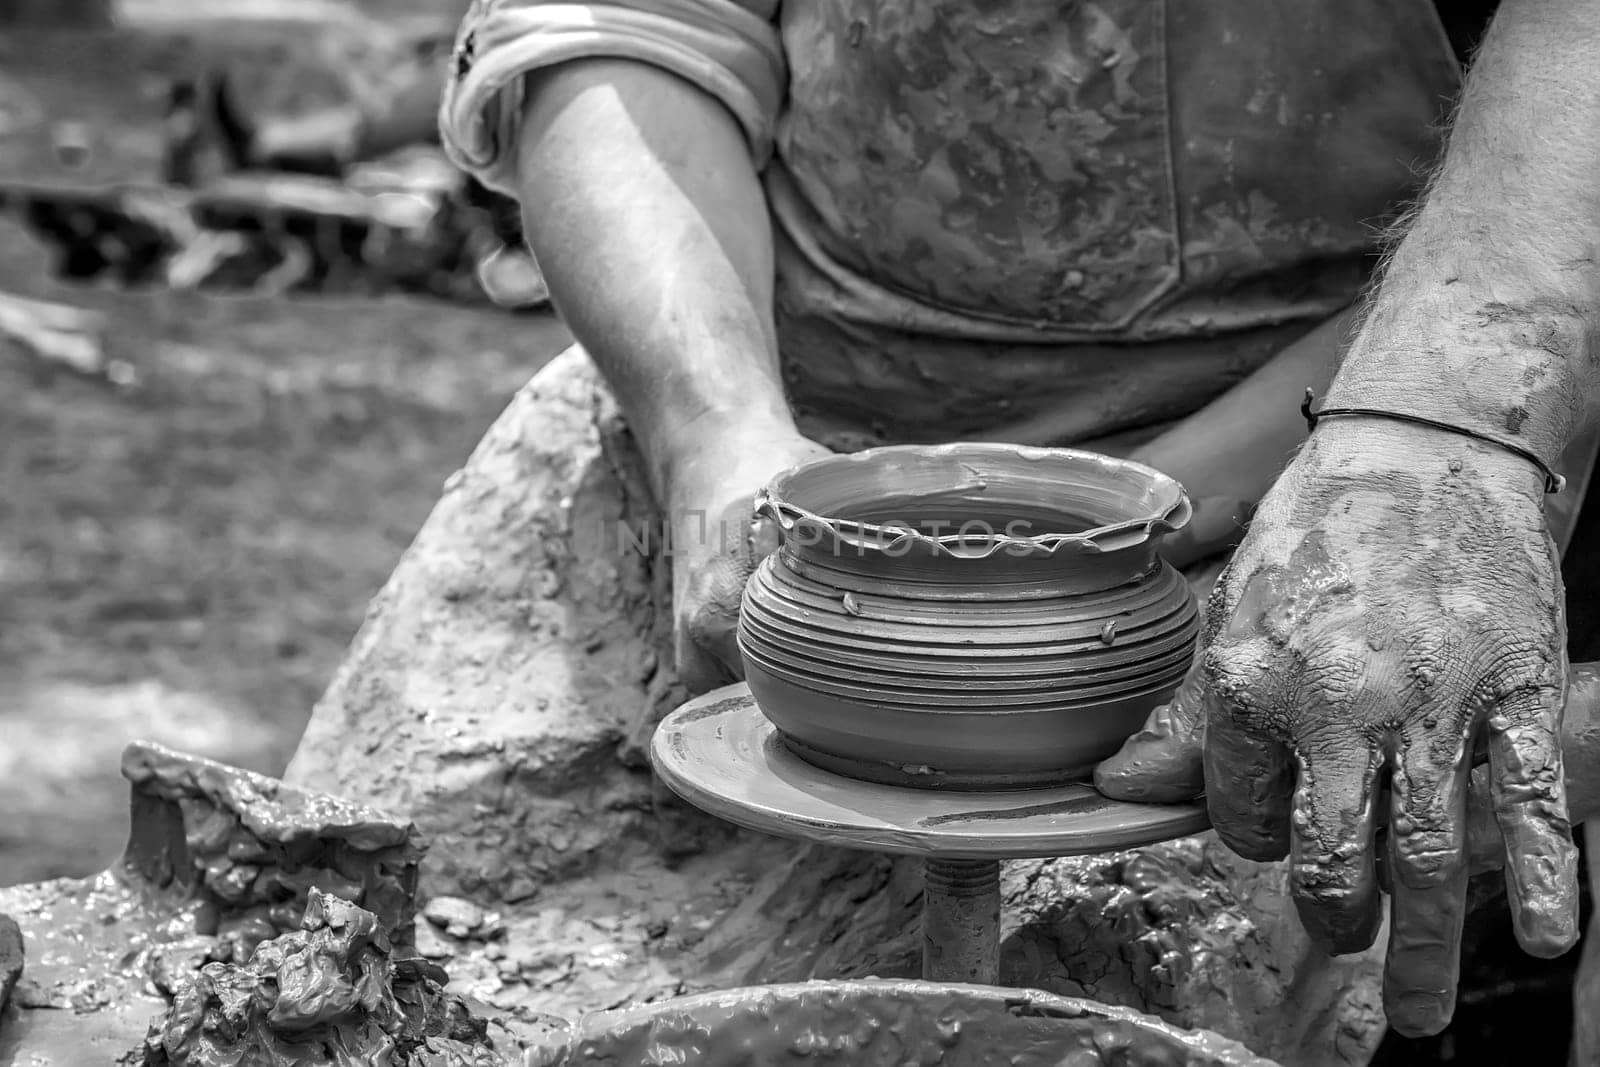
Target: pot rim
[[1168, 511]]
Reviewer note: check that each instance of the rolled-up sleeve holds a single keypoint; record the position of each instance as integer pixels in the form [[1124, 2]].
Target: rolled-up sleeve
[[729, 48]]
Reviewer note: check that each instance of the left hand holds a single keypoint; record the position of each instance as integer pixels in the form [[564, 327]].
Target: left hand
[[1395, 602]]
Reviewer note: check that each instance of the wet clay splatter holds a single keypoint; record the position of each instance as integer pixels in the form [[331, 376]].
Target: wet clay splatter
[[252, 848], [334, 992], [219, 860]]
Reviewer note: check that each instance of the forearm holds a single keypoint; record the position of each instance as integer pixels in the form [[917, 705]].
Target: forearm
[[1237, 445], [1228, 454], [649, 222], [1489, 311]]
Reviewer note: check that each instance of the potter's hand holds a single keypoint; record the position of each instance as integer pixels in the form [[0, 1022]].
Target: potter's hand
[[1379, 623], [717, 542]]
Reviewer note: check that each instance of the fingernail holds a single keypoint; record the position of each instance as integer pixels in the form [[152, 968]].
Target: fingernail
[[1421, 1014]]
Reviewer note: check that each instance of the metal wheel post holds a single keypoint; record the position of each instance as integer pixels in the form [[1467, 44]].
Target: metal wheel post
[[961, 921]]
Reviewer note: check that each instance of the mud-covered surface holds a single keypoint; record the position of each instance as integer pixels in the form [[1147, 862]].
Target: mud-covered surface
[[220, 860], [886, 1024], [102, 955], [1188, 931], [252, 850], [334, 992], [622, 936]]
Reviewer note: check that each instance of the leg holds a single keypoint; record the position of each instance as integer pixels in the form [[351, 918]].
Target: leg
[[494, 691]]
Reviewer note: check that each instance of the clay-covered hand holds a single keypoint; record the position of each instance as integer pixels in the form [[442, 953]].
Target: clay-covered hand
[[717, 541], [1394, 610]]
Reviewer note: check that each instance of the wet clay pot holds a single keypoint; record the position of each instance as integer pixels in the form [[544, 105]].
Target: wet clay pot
[[968, 616], [876, 1023]]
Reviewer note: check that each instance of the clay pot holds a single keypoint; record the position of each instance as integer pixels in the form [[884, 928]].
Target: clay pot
[[968, 616], [878, 1022]]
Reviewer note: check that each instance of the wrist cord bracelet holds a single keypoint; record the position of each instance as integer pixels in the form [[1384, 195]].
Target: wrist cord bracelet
[[1553, 482]]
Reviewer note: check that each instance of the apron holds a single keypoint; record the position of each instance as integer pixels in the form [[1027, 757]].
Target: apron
[[1048, 171], [1087, 216]]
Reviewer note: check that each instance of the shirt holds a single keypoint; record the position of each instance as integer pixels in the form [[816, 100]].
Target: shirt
[[991, 212]]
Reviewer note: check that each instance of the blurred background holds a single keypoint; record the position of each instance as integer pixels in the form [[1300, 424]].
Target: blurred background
[[245, 334]]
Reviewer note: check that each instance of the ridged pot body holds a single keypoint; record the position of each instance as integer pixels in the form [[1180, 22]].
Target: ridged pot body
[[966, 616]]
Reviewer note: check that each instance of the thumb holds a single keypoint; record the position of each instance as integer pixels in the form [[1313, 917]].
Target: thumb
[[1161, 764], [707, 649], [707, 633], [701, 667]]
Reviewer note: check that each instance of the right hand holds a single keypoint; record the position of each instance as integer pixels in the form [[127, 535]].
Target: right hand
[[718, 541], [1385, 615]]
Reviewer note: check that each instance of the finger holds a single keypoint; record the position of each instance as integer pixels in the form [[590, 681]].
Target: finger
[[700, 669], [1428, 808], [708, 649], [1161, 764], [1249, 775], [1426, 858], [1419, 978], [706, 640], [1580, 748], [1249, 781], [1331, 874], [765, 537], [1486, 845], [1530, 801]]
